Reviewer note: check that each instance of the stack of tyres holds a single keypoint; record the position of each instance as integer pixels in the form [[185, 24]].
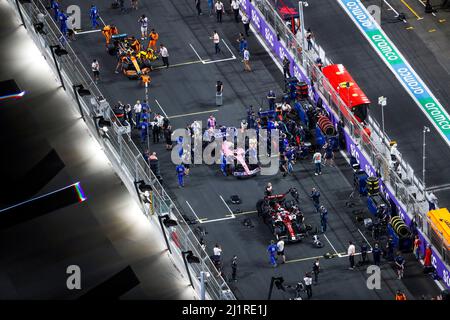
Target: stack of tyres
[[292, 81], [326, 126], [302, 90], [400, 234], [399, 227], [290, 87]]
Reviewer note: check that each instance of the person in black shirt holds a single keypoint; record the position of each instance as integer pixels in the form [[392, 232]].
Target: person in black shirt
[[268, 191], [399, 265], [363, 253], [234, 268], [198, 7], [315, 196], [155, 131], [286, 67], [390, 249], [316, 270], [251, 118], [271, 98], [376, 252], [168, 137]]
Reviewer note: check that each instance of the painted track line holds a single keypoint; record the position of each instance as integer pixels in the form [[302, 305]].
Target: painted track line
[[392, 8], [226, 205], [89, 31], [196, 216], [179, 64], [242, 213], [208, 61], [226, 45], [345, 255], [423, 3], [104, 24], [196, 53], [411, 9], [165, 114], [233, 57], [337, 253], [365, 238], [193, 113], [216, 220], [304, 259]]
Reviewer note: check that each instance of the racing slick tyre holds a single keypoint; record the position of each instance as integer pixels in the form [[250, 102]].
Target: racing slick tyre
[[278, 230], [147, 64], [277, 233], [127, 66], [131, 75]]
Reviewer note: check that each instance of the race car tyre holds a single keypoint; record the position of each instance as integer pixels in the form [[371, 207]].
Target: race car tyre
[[127, 66], [267, 219], [112, 50], [147, 64]]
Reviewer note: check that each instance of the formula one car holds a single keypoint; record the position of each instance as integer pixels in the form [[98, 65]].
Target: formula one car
[[242, 169], [284, 218], [136, 64]]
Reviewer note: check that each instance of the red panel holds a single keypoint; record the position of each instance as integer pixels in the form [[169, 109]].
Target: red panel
[[338, 77]]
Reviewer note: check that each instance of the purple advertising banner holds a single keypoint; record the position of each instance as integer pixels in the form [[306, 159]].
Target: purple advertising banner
[[271, 40]]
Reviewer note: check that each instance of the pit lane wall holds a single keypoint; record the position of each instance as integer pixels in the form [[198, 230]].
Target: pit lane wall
[[283, 44]]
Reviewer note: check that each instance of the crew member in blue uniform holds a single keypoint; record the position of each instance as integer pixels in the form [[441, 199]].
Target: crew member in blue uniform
[[180, 146], [63, 23], [180, 173], [144, 128], [223, 166], [315, 196], [93, 14], [55, 7], [272, 250]]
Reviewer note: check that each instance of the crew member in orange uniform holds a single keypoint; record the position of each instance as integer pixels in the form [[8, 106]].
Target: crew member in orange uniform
[[400, 295], [108, 32]]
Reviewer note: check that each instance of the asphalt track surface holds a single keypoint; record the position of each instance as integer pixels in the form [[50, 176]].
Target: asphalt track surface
[[428, 54], [190, 88]]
